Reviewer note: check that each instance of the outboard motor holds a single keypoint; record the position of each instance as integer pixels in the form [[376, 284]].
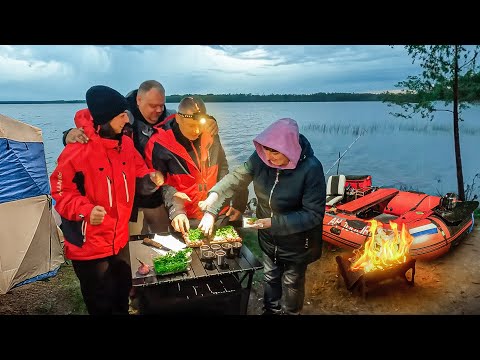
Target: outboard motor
[[448, 201]]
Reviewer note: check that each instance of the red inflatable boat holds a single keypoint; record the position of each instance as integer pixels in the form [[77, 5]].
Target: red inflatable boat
[[435, 223]]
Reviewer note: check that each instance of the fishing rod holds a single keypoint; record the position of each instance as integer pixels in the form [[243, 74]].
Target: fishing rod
[[349, 146]]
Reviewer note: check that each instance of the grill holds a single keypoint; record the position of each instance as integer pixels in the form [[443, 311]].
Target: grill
[[362, 282]]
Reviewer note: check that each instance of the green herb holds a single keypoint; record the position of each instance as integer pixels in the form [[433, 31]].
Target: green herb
[[226, 232], [195, 235], [172, 261]]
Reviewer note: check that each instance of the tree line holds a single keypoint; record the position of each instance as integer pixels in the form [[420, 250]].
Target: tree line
[[470, 85], [318, 97]]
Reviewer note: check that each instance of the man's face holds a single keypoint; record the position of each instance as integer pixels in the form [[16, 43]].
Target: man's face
[[190, 128], [151, 105]]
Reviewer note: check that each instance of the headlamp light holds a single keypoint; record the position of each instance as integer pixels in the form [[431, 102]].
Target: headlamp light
[[200, 117]]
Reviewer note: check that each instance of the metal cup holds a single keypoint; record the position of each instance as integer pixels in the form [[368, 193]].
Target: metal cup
[[221, 255], [215, 247], [236, 246], [208, 257], [203, 248], [227, 247]]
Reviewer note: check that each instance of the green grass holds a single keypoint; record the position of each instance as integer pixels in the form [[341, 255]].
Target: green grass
[[477, 213]]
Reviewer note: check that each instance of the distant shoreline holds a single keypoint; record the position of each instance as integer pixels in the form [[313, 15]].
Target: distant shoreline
[[209, 98]]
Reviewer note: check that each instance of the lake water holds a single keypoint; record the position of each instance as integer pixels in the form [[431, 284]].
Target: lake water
[[413, 154]]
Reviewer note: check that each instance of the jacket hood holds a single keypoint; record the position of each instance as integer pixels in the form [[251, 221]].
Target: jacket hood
[[83, 119], [132, 106], [282, 136]]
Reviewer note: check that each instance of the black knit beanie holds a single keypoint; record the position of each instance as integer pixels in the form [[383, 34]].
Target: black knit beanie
[[104, 103]]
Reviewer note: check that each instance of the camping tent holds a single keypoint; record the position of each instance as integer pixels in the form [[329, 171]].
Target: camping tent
[[30, 247]]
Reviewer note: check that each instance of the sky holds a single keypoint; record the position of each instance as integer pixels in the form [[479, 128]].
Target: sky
[[65, 72]]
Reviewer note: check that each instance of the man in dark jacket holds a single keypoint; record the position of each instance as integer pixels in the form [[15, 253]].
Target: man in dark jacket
[[147, 109], [290, 187]]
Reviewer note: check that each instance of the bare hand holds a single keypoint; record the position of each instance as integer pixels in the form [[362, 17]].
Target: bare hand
[[206, 224], [97, 215], [182, 196], [180, 223], [157, 178], [265, 223], [211, 126], [76, 135], [233, 213]]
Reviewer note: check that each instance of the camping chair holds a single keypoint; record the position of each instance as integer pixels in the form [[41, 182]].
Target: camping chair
[[335, 189]]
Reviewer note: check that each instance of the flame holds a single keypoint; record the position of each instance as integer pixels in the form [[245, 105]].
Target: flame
[[383, 249]]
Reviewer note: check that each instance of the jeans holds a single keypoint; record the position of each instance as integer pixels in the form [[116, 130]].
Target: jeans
[[292, 278]]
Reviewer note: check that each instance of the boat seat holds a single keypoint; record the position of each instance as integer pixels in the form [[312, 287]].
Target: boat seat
[[369, 200], [335, 189]]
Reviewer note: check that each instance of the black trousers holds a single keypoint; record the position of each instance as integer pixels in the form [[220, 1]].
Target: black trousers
[[105, 283]]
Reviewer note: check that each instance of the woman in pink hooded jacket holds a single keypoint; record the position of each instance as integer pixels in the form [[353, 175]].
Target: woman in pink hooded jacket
[[289, 184]]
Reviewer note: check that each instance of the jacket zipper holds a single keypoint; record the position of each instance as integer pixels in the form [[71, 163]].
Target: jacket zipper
[[109, 185], [203, 186], [126, 186], [271, 213], [84, 230]]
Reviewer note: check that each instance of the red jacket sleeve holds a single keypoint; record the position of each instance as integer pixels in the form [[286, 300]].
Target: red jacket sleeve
[[70, 203], [83, 119]]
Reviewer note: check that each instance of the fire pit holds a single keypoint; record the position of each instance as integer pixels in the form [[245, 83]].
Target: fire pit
[[383, 257], [361, 281]]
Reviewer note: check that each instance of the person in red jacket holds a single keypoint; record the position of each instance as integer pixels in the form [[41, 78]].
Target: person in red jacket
[[192, 160], [94, 185]]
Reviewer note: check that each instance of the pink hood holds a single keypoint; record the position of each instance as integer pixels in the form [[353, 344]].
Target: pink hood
[[282, 136]]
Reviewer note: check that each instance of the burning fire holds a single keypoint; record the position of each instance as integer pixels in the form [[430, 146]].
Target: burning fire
[[383, 249]]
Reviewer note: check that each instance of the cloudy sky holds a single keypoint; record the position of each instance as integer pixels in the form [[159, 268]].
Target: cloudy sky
[[65, 72]]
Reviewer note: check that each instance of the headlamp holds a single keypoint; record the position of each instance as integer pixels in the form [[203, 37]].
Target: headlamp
[[202, 118]]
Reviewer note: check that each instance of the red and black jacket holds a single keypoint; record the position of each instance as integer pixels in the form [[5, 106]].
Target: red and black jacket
[[102, 172], [164, 195], [192, 167]]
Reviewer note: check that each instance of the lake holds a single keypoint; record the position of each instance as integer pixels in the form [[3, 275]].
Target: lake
[[414, 154]]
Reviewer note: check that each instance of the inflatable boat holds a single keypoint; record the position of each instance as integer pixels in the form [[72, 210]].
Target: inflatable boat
[[436, 223]]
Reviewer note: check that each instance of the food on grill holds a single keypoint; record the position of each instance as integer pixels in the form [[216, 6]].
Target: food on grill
[[226, 234], [172, 262], [252, 220], [194, 238]]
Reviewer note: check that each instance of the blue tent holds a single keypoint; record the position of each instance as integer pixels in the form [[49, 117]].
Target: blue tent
[[30, 246]]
